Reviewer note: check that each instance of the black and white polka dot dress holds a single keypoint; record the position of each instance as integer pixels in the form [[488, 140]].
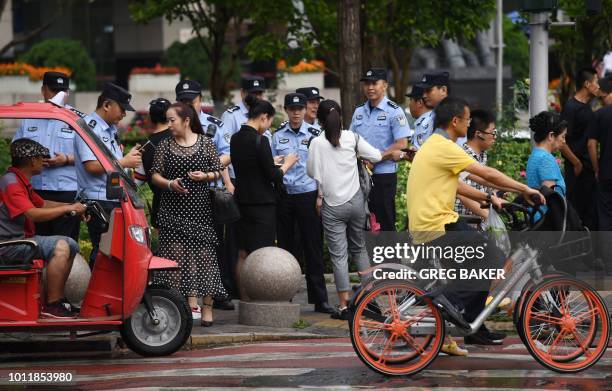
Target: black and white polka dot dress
[[186, 225]]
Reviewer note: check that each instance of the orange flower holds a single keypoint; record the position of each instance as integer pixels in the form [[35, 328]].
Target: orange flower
[[302, 66], [34, 73], [156, 70]]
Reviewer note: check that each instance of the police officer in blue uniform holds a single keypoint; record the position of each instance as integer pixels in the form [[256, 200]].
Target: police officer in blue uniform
[[423, 124], [91, 176], [57, 182], [190, 93], [313, 98], [299, 202], [383, 124], [436, 87]]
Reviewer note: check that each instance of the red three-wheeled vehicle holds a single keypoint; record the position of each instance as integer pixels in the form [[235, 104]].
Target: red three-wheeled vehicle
[[153, 320]]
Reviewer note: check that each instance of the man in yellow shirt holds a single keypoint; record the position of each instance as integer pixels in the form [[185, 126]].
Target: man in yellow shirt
[[433, 185]]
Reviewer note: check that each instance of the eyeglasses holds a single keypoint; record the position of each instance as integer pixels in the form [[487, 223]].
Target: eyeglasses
[[468, 120], [492, 133]]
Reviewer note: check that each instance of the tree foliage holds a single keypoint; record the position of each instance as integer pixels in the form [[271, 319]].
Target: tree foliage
[[580, 46], [192, 61], [516, 49], [68, 53]]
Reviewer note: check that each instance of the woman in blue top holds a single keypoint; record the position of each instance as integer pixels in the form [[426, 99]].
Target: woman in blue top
[[542, 168]]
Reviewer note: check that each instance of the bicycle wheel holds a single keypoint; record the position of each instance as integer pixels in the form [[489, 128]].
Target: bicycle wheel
[[519, 307], [566, 325], [393, 332]]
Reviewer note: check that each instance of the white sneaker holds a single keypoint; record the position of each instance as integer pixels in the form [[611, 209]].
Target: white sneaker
[[196, 312]]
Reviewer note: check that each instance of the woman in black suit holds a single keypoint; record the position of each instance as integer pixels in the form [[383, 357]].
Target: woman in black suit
[[257, 179]]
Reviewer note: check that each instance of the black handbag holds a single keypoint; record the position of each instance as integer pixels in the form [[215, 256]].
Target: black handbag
[[225, 208]]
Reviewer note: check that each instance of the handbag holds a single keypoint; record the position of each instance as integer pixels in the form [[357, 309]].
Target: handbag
[[225, 208], [365, 185]]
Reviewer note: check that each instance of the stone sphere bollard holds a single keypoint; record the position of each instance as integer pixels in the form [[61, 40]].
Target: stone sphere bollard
[[271, 274], [270, 277], [77, 282]]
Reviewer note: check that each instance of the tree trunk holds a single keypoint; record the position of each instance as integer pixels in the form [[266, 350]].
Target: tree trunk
[[350, 57]]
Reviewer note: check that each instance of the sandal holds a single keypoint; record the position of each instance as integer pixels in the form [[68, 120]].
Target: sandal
[[206, 323]]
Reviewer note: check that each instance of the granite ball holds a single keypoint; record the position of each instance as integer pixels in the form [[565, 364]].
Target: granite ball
[[271, 274], [78, 280]]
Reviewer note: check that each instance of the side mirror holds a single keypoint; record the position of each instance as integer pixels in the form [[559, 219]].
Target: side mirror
[[114, 191]]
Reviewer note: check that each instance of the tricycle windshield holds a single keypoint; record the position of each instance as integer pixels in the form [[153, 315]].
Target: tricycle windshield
[[130, 186]]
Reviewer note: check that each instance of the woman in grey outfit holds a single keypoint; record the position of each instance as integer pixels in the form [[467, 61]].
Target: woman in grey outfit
[[332, 162]]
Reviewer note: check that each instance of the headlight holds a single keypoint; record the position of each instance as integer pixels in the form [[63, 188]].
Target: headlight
[[138, 234]]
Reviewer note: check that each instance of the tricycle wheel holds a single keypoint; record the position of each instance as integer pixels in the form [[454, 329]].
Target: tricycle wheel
[[165, 332]]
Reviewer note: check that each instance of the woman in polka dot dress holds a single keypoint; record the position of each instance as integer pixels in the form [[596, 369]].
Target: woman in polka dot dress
[[183, 165]]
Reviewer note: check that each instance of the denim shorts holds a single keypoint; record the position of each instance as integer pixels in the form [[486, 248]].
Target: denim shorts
[[16, 254]]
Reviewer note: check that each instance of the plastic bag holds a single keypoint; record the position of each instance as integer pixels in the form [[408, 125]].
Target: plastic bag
[[497, 232]]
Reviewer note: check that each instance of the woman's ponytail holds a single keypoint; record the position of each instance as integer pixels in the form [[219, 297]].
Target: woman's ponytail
[[329, 117]]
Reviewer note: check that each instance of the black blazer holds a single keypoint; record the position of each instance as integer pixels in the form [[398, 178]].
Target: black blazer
[[256, 175]]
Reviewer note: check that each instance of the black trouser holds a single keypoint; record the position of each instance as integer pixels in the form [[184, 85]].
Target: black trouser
[[226, 267], [65, 225], [229, 258], [302, 208], [582, 193], [96, 228], [382, 200], [604, 213], [470, 295]]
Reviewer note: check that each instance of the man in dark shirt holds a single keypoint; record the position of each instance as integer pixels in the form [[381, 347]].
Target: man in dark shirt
[[579, 174], [599, 133], [157, 114]]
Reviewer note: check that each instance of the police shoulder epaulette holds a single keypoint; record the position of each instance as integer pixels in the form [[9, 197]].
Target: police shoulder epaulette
[[233, 108], [314, 131], [361, 104], [282, 125], [214, 120], [393, 104]]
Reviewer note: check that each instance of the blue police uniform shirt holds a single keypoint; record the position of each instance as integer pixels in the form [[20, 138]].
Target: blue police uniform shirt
[[221, 138], [381, 126], [233, 119], [284, 142], [423, 128], [94, 186], [58, 136]]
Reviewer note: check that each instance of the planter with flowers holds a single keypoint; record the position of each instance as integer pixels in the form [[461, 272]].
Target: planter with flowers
[[154, 80], [303, 74], [21, 78]]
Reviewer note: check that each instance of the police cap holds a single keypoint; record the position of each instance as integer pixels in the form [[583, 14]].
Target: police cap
[[295, 99], [253, 84], [311, 93], [188, 89], [57, 81], [416, 92], [374, 74], [434, 79], [120, 95]]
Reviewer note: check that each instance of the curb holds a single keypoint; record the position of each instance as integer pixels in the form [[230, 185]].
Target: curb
[[221, 339]]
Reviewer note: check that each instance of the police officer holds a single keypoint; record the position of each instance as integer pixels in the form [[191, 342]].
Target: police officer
[[57, 182], [313, 98], [299, 202], [91, 176], [436, 87], [383, 124], [190, 93], [422, 114]]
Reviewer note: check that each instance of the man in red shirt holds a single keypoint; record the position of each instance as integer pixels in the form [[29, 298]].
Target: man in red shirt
[[20, 208]]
